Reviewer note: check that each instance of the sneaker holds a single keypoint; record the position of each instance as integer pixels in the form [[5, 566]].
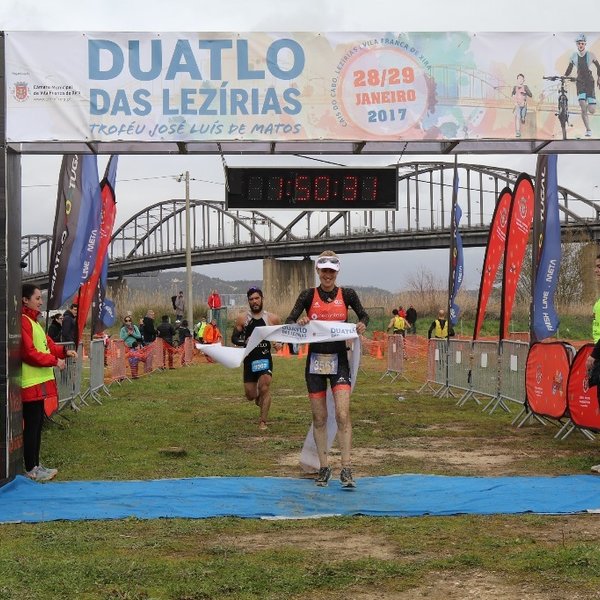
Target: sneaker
[[323, 477], [346, 478], [262, 426], [518, 134], [39, 474], [588, 133], [48, 472], [595, 469], [33, 474]]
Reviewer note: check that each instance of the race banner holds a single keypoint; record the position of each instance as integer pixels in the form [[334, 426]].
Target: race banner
[[582, 400], [76, 228], [545, 319], [494, 253], [457, 266], [199, 86], [520, 219], [108, 214], [546, 375]]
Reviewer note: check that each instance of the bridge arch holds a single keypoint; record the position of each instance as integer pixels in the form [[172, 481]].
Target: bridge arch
[[154, 238]]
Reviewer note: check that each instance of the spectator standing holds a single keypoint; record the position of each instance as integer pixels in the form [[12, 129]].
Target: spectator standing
[[214, 300], [55, 327], [184, 331], [166, 331], [39, 395], [440, 328], [411, 319], [130, 332], [69, 324], [200, 328], [179, 306], [149, 330], [212, 334]]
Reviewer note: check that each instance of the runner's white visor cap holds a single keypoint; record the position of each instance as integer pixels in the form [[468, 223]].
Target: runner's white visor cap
[[328, 262]]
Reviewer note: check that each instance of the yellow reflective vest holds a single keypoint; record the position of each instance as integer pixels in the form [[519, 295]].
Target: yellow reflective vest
[[31, 375], [399, 323], [441, 332]]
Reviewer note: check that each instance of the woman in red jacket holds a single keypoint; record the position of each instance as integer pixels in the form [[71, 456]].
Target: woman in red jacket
[[39, 354]]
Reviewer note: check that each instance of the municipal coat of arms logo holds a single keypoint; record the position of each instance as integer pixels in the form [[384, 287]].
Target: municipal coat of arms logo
[[21, 91], [523, 206]]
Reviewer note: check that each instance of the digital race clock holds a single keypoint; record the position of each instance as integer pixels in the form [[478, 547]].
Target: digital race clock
[[337, 188]]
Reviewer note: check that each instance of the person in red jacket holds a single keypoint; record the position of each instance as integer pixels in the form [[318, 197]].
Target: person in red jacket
[[39, 395], [214, 300]]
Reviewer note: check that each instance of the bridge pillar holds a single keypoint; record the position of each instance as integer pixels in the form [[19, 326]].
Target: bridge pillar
[[116, 290], [283, 280], [590, 285]]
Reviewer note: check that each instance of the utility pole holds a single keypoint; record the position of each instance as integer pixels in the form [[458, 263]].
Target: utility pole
[[188, 255]]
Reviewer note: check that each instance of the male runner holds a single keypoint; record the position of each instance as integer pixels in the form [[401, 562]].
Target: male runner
[[258, 365]]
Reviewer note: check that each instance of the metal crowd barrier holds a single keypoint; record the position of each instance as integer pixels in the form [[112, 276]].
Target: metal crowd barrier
[[513, 360], [395, 358], [437, 366], [68, 381], [96, 383], [485, 378], [459, 366]]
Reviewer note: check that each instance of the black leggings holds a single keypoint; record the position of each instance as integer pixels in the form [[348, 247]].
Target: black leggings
[[33, 420]]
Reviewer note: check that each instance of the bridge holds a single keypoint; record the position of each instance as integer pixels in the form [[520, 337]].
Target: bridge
[[154, 238]]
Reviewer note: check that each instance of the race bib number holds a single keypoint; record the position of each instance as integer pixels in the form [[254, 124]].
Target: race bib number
[[323, 364], [260, 365]]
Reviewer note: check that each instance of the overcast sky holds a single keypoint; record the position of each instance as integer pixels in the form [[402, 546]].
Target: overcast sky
[[137, 185]]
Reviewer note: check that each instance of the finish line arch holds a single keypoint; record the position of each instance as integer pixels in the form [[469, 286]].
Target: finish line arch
[[51, 102]]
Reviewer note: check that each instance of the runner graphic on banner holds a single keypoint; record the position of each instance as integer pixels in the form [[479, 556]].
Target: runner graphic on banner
[[519, 223], [494, 253]]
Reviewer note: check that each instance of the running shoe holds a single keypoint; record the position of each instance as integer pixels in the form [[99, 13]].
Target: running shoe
[[39, 474], [595, 469], [346, 478], [262, 426], [324, 476], [33, 474], [48, 472], [588, 133]]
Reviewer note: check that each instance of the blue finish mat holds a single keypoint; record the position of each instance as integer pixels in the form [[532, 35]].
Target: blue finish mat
[[23, 500]]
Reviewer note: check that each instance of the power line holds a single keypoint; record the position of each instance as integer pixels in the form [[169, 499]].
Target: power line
[[173, 177]]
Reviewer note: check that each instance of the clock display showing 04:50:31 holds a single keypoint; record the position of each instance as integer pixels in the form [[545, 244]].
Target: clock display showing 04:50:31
[[336, 188]]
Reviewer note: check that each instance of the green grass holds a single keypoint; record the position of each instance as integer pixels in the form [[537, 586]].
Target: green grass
[[202, 410]]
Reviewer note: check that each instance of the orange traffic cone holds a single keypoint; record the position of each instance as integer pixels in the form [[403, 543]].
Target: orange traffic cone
[[286, 350], [379, 351]]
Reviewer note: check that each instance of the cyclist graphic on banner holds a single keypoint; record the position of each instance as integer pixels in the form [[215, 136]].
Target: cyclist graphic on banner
[[586, 93], [520, 93]]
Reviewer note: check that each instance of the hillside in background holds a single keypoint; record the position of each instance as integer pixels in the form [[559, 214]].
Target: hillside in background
[[173, 281]]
